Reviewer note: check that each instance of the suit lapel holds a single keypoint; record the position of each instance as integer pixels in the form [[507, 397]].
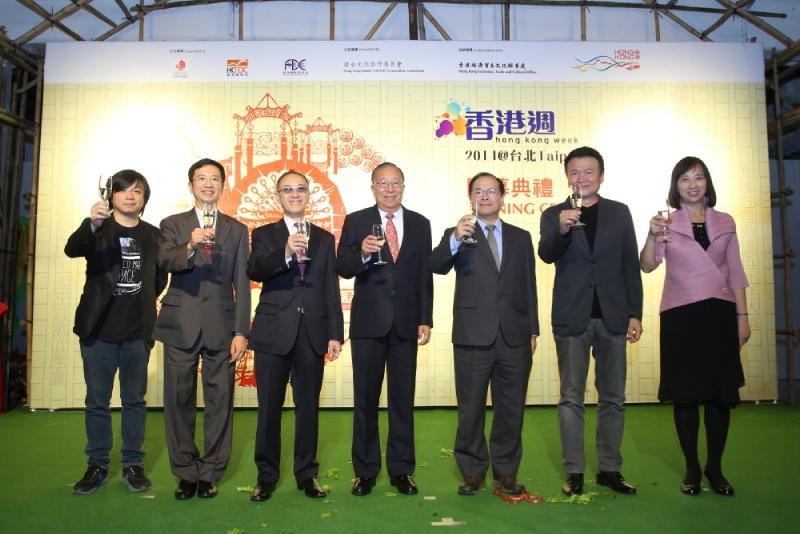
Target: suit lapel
[[223, 228]]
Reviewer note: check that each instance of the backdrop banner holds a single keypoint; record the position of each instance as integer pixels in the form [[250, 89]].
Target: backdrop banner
[[442, 111]]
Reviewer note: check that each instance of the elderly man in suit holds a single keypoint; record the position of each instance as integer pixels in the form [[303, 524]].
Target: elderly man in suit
[[495, 326], [297, 327], [597, 304], [204, 313], [391, 314]]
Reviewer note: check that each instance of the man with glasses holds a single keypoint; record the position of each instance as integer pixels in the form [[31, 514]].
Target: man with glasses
[[597, 304], [298, 327], [204, 313], [495, 325], [391, 314]]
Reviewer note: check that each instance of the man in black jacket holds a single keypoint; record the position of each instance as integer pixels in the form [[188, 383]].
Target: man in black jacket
[[114, 322], [391, 313]]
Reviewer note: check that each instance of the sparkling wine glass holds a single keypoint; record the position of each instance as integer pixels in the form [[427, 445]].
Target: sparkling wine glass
[[377, 231], [576, 200], [209, 217], [303, 229], [470, 240], [104, 188], [663, 233]]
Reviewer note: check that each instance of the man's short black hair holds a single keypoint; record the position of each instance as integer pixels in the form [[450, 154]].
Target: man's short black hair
[[125, 178], [585, 152], [207, 161], [500, 185]]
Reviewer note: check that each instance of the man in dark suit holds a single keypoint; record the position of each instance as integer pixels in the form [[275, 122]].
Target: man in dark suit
[[114, 322], [597, 303], [205, 312], [297, 328], [391, 314], [495, 325]]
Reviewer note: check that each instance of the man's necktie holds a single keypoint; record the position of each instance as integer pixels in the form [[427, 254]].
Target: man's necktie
[[391, 237], [493, 244], [300, 252]]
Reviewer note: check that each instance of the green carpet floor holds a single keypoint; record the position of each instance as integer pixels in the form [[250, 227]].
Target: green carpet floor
[[41, 456]]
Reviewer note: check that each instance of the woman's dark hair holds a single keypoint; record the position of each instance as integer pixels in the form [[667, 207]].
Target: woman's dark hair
[[207, 161], [500, 185], [682, 167], [123, 179]]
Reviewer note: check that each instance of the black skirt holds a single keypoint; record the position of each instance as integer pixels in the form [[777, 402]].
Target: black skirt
[[700, 353]]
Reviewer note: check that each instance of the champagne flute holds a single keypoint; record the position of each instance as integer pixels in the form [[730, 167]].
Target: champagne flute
[[470, 240], [663, 234], [209, 217], [576, 200], [303, 229], [377, 231], [104, 188]]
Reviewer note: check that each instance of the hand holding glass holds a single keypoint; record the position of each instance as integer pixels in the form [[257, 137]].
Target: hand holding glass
[[377, 231], [663, 233]]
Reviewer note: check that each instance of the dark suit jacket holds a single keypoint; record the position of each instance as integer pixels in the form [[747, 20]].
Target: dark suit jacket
[[277, 321], [487, 300], [103, 257], [212, 296], [399, 294], [611, 269]]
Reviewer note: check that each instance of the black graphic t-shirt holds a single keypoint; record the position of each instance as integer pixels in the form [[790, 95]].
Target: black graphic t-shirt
[[122, 318]]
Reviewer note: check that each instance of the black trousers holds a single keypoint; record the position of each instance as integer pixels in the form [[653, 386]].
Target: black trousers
[[304, 368], [398, 357]]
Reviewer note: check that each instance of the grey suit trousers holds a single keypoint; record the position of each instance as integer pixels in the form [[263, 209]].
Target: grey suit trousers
[[180, 402], [609, 352]]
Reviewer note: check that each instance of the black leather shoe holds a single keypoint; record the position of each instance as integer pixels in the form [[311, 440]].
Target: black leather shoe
[[720, 485], [263, 490], [508, 485], [312, 488], [206, 490], [471, 485], [362, 486], [615, 481], [186, 490], [573, 484], [690, 488], [404, 484]]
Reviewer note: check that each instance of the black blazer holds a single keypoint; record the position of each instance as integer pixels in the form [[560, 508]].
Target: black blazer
[[611, 268], [487, 301], [103, 257], [277, 319], [399, 294]]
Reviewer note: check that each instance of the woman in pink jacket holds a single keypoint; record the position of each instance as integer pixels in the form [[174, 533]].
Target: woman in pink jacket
[[704, 318]]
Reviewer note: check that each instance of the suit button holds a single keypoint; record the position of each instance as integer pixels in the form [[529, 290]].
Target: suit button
[[205, 299], [391, 293]]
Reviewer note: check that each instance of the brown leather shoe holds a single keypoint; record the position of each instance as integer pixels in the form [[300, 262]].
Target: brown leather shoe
[[508, 485], [471, 485]]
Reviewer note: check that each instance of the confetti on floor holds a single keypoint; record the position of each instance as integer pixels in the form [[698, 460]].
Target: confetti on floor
[[448, 522]]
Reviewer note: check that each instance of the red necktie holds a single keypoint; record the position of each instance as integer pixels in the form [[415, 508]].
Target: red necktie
[[391, 237]]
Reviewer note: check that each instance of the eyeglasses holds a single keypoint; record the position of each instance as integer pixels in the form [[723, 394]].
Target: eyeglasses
[[491, 193], [204, 179], [289, 189], [388, 185]]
